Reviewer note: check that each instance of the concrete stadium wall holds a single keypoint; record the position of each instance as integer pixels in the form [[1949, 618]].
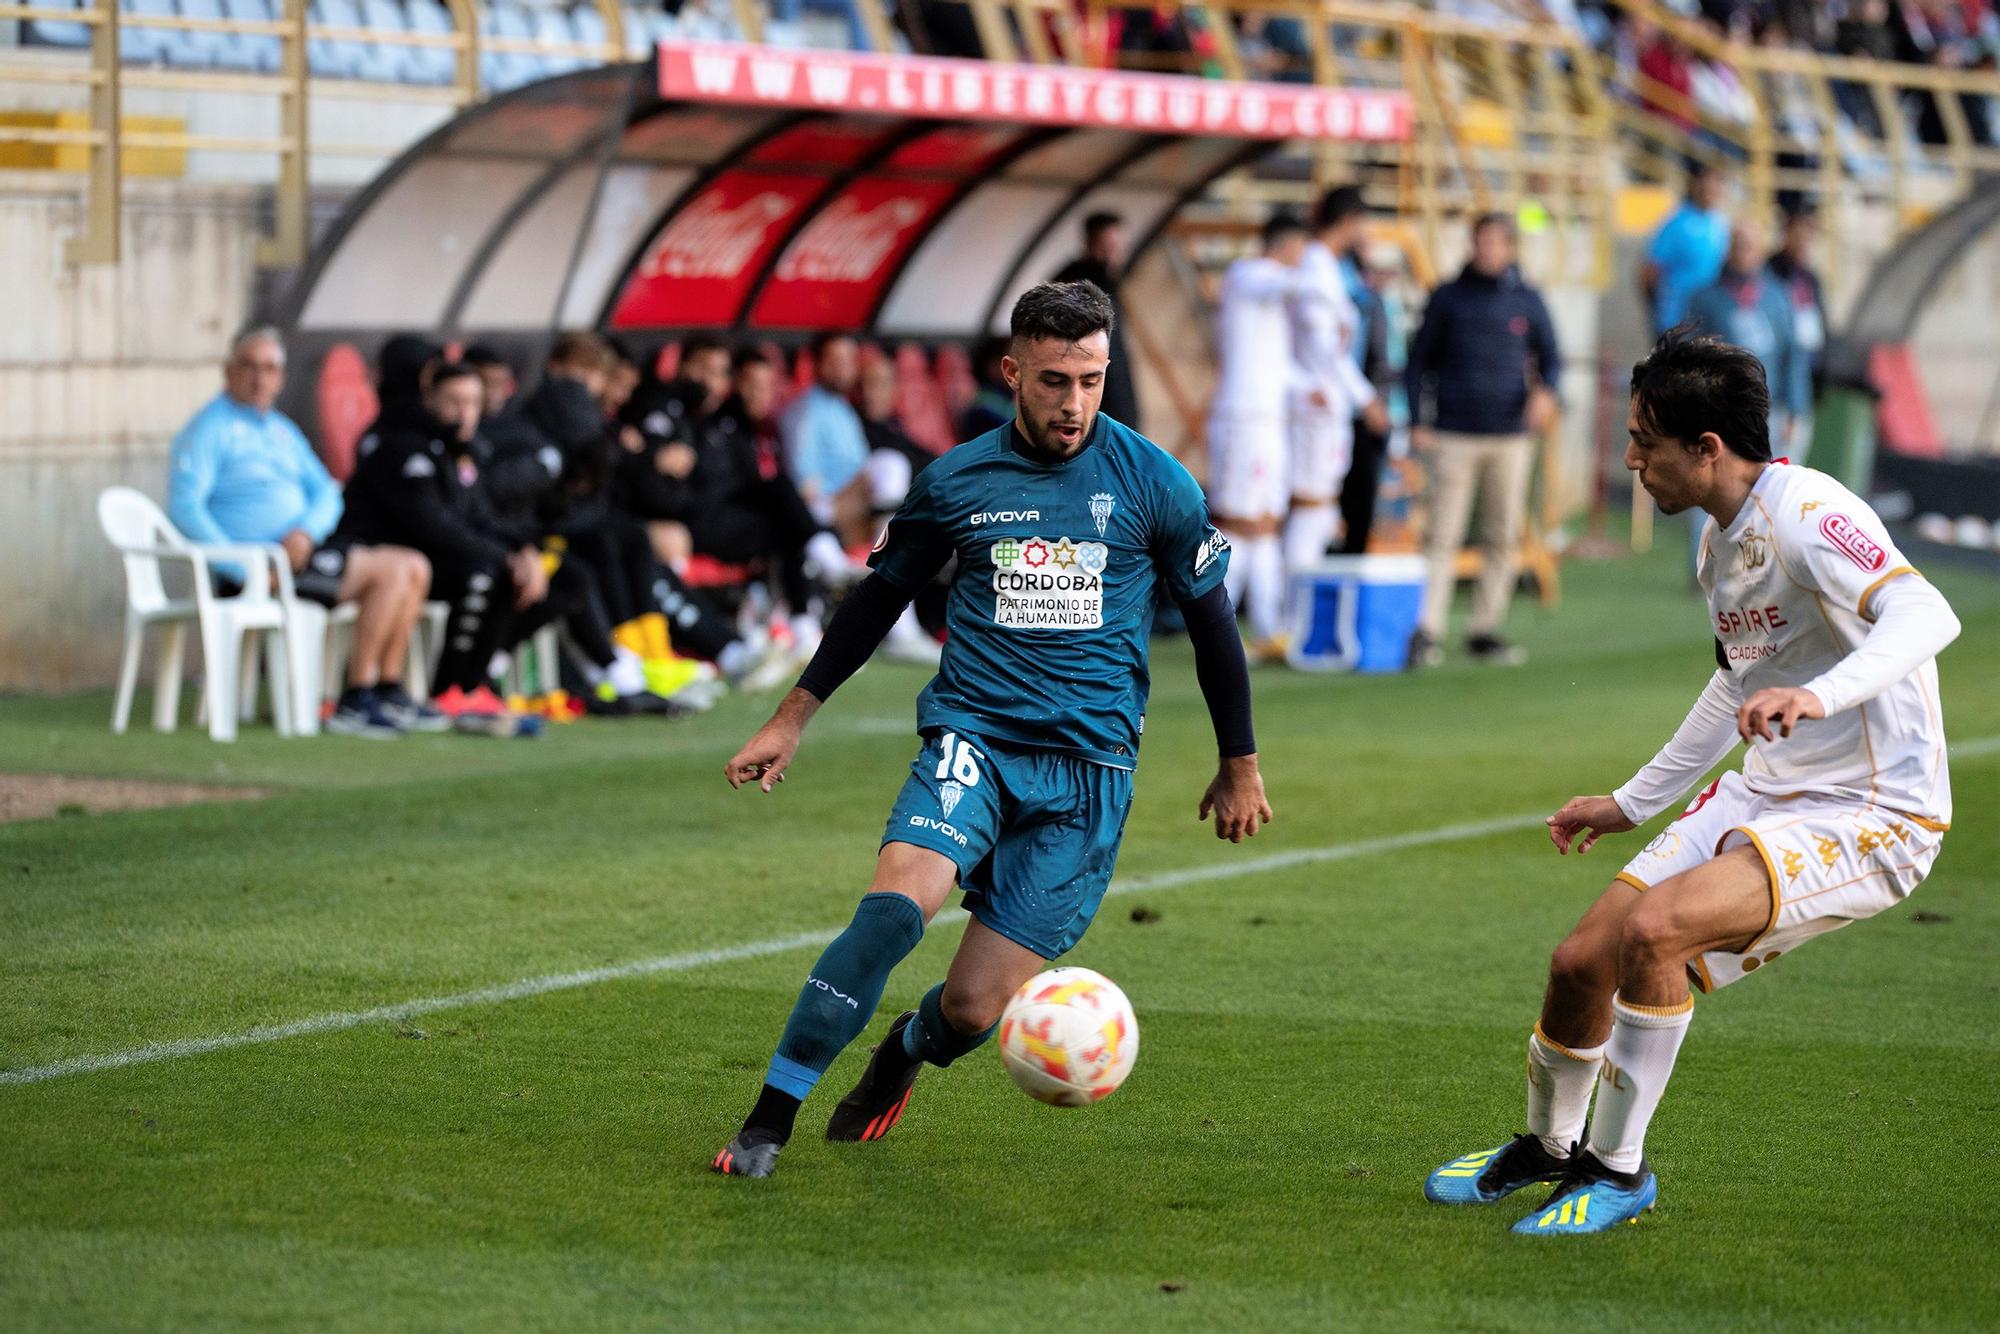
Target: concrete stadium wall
[[99, 366]]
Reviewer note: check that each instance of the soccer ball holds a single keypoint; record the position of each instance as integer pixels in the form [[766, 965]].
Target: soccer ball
[[1069, 1037]]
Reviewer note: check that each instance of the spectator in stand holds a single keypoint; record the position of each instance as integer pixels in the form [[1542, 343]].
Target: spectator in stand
[[1687, 252], [241, 471], [1103, 263], [1487, 352], [1666, 67], [1864, 33], [826, 450], [496, 375], [1751, 307], [1940, 33], [1792, 266]]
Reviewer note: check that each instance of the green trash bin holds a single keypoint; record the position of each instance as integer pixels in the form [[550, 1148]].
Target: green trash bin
[[1843, 436]]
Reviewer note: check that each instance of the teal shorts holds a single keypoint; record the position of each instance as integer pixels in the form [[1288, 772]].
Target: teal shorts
[[1034, 833]]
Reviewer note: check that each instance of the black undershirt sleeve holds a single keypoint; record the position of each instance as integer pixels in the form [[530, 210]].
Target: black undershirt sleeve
[[1220, 667], [856, 631]]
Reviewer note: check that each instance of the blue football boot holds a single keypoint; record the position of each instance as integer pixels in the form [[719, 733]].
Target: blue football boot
[[1491, 1175], [1592, 1198]]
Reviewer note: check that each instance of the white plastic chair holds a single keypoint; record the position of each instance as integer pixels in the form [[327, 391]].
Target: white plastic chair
[[145, 537], [322, 642]]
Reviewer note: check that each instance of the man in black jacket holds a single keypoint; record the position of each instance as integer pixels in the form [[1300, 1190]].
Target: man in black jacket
[[1103, 263], [1486, 353], [418, 477]]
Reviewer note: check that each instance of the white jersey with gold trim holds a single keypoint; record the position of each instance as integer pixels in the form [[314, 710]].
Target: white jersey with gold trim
[[1790, 585]]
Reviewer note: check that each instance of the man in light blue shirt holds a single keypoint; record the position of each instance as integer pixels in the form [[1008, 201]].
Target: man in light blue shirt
[[241, 471], [826, 446], [1686, 254]]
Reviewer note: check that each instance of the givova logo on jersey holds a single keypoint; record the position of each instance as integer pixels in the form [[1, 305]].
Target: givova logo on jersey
[[1041, 583]]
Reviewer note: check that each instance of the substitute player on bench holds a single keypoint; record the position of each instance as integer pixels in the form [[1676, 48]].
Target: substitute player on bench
[[1064, 523], [1825, 650]]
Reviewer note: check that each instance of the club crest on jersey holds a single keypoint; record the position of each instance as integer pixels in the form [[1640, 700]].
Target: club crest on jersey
[[1100, 510], [1754, 550], [1851, 542], [949, 794]]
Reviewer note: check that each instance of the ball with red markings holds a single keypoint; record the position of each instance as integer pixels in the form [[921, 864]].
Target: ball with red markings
[[1069, 1037]]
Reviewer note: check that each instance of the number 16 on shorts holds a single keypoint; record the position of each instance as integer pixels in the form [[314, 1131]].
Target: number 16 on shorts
[[957, 760]]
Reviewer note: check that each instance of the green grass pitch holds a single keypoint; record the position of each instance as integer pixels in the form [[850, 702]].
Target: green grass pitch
[[1317, 1034]]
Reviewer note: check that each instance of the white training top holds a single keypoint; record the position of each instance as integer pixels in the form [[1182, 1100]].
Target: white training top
[[1253, 339], [1325, 324], [1805, 588]]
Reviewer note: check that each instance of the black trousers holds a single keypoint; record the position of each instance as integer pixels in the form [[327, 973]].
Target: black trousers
[[485, 621], [765, 521], [1359, 489], [633, 582]]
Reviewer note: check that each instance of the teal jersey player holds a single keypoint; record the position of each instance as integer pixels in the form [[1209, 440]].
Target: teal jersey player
[[1065, 526], [1058, 564]]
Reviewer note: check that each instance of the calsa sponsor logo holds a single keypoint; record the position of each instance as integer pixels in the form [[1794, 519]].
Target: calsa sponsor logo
[[925, 822], [1006, 516], [1851, 542]]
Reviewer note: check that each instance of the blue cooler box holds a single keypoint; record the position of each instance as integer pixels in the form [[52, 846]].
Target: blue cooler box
[[1356, 613]]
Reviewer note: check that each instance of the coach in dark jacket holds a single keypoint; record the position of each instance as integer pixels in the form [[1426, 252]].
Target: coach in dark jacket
[[1480, 379], [1103, 263]]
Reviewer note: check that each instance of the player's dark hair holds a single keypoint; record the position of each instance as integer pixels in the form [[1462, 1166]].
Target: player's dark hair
[[1280, 225], [1100, 222], [699, 344], [1692, 383], [480, 355], [1069, 311], [745, 358], [1485, 220], [1339, 204]]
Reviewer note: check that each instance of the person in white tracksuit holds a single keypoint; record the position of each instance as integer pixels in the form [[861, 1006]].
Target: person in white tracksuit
[[1324, 325], [1249, 449]]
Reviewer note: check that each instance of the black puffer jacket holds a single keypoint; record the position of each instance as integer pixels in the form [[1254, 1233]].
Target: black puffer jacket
[[1483, 344]]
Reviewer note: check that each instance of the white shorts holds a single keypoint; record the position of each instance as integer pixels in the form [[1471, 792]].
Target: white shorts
[[1830, 861], [1247, 467], [1322, 447]]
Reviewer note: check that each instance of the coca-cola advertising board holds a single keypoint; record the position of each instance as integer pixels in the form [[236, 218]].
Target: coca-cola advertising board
[[698, 271], [831, 274], [980, 90]]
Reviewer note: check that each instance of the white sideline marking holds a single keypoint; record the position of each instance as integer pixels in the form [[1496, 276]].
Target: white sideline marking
[[176, 1048], [526, 987]]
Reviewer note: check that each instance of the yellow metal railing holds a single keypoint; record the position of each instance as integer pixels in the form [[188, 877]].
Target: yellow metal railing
[[293, 84]]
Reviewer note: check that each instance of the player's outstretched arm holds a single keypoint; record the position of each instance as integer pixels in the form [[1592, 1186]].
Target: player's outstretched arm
[[1236, 796], [857, 630], [765, 756]]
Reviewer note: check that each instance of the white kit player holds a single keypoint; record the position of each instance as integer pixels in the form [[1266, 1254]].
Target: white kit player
[[1825, 643], [1325, 324], [1248, 422]]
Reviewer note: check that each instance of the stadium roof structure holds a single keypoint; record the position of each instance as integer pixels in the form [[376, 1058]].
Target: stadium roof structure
[[761, 191]]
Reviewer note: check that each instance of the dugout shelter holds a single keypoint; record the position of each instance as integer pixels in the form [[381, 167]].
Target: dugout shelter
[[768, 194]]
